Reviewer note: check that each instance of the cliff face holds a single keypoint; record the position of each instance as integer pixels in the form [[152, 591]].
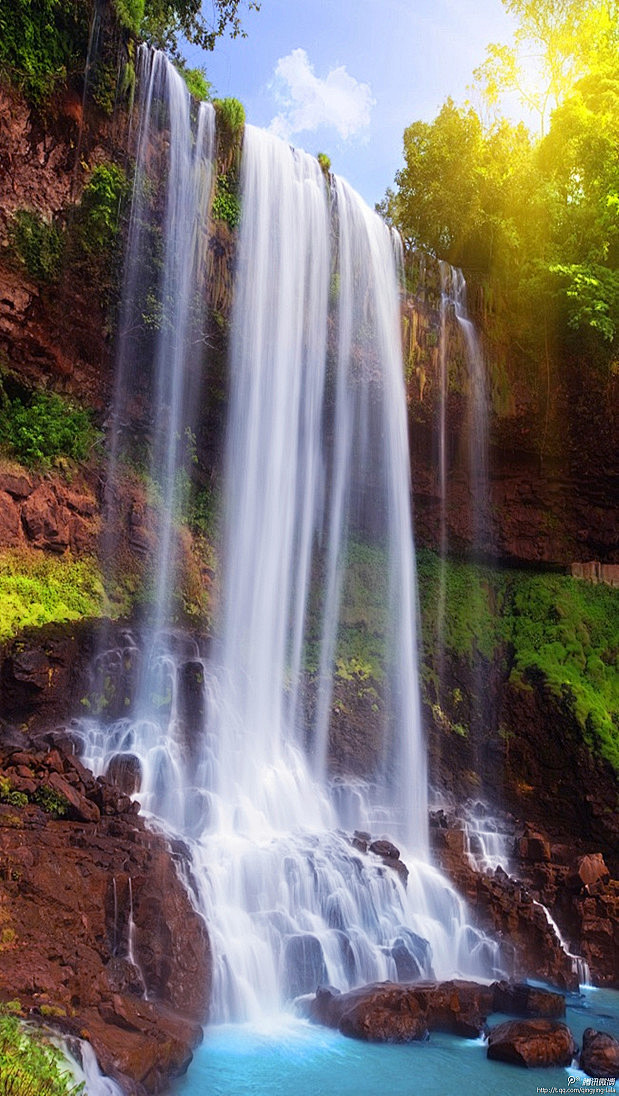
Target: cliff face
[[551, 428]]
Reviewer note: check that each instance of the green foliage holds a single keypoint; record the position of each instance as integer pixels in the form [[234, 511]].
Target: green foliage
[[165, 21], [10, 795], [44, 428], [36, 590], [552, 627], [41, 42], [198, 85], [534, 221], [38, 244], [325, 162], [30, 1065], [130, 14], [226, 205], [100, 207], [230, 117], [51, 801]]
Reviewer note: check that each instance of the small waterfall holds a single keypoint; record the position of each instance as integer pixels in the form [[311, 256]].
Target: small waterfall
[[233, 749]]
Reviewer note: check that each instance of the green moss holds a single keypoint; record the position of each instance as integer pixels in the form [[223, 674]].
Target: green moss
[[30, 1065], [36, 590], [548, 628]]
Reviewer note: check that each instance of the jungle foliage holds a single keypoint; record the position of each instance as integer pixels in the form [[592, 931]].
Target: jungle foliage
[[544, 627], [533, 217], [45, 42]]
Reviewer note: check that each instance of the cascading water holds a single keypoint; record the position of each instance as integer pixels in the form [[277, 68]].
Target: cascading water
[[316, 477]]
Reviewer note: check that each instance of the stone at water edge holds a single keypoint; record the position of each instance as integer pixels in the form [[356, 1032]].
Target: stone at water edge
[[599, 1056], [390, 1012], [532, 1043], [521, 999]]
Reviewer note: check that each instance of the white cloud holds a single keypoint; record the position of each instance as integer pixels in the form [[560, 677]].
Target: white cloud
[[338, 101]]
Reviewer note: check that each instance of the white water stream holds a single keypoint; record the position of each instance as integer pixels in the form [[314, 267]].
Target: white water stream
[[316, 469]]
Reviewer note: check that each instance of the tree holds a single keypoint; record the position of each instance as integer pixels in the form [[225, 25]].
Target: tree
[[556, 42], [165, 21]]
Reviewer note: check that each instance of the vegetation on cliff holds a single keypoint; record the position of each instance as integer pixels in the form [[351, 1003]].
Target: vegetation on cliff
[[546, 630], [43, 43], [30, 1065], [36, 589]]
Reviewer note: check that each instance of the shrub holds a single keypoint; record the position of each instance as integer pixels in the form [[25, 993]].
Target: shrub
[[100, 207], [198, 85], [38, 244], [325, 163], [51, 801], [230, 116], [42, 40], [226, 204], [30, 1065], [46, 426]]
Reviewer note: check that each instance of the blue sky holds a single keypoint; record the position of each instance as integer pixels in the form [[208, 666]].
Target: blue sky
[[346, 77]]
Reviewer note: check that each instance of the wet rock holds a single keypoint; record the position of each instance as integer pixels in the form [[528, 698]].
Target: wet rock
[[599, 1056], [532, 1043], [589, 871], [385, 849], [45, 520], [79, 807], [11, 533], [534, 846], [520, 999], [17, 484], [304, 965], [125, 771], [388, 1012]]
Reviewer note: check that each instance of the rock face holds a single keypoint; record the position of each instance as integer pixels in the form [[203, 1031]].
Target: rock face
[[94, 919], [532, 1043], [42, 513], [599, 1056], [543, 873]]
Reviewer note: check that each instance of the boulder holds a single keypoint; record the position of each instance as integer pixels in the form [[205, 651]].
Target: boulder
[[532, 1043], [389, 1012], [520, 999], [589, 871], [599, 1056]]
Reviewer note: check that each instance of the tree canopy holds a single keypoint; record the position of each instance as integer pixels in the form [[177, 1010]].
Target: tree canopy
[[536, 214]]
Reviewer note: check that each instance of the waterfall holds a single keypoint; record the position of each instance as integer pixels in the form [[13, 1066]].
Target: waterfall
[[233, 746]]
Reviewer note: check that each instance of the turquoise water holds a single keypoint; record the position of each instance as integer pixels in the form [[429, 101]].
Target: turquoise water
[[295, 1058]]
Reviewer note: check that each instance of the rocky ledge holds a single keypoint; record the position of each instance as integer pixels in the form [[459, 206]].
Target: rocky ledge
[[98, 934], [389, 1012]]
